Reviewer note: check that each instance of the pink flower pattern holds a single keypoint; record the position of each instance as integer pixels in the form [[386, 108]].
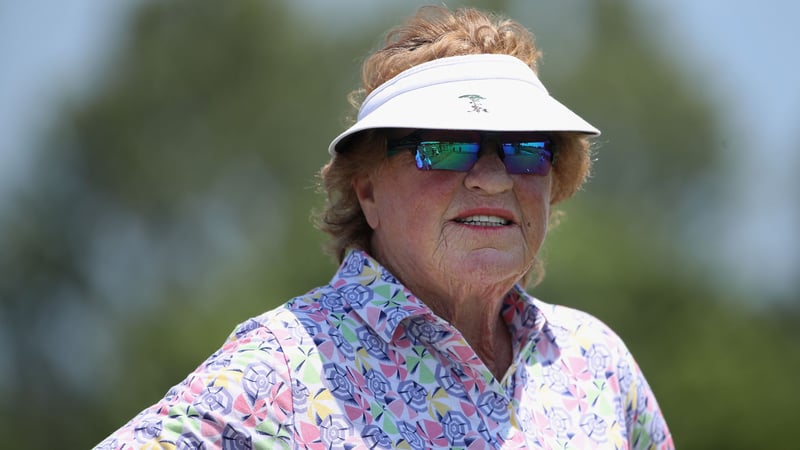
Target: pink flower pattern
[[363, 364]]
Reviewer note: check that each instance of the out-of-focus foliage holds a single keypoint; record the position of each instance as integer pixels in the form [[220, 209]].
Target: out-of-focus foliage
[[723, 373], [174, 203]]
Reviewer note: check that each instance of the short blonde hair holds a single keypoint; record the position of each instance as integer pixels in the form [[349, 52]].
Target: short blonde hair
[[434, 32]]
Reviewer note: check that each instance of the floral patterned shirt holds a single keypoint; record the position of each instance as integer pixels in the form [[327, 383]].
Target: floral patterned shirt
[[363, 364]]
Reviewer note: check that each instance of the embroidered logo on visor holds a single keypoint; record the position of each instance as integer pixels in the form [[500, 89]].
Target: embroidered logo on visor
[[475, 103]]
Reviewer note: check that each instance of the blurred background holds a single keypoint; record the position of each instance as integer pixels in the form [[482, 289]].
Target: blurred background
[[157, 172]]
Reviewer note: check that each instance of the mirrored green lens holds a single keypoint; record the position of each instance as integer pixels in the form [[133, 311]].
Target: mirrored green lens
[[527, 157], [437, 155], [520, 156]]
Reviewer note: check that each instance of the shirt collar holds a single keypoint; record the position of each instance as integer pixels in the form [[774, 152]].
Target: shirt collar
[[375, 294], [523, 315], [383, 303]]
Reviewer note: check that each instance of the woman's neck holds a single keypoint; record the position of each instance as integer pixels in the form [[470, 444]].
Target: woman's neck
[[492, 343], [480, 322]]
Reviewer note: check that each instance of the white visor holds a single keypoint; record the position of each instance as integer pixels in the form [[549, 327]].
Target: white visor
[[472, 92]]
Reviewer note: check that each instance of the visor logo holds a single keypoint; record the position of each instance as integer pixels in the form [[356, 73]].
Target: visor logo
[[475, 103]]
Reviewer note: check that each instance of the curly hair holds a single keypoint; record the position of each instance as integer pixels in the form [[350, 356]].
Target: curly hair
[[434, 32]]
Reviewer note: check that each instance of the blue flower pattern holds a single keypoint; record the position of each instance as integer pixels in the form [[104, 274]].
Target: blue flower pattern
[[362, 363]]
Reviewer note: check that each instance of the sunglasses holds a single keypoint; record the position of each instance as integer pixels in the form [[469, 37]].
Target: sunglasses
[[522, 153]]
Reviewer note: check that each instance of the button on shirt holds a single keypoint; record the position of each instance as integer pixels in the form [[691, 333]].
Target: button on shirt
[[363, 364]]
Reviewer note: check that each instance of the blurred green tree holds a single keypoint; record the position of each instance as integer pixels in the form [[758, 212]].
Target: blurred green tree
[[622, 253], [173, 203], [170, 205]]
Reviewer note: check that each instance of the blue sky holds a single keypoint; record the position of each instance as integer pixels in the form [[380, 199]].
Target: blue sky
[[747, 50]]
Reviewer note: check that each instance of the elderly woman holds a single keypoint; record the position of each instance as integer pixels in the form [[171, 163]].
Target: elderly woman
[[439, 200]]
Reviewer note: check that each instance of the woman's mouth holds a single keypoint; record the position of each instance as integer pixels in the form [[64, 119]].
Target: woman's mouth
[[484, 221]]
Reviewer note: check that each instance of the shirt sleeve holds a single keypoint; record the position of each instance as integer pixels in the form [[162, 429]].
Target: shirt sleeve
[[638, 410], [240, 396], [647, 428]]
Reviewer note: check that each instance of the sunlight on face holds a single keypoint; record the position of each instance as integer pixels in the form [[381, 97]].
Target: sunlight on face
[[448, 233]]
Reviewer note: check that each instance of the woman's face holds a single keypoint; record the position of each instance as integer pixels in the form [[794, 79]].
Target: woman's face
[[445, 233]]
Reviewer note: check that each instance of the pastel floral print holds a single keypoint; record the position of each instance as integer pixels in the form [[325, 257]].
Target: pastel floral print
[[363, 364]]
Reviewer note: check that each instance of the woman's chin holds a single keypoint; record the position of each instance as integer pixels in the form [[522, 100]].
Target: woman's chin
[[488, 265]]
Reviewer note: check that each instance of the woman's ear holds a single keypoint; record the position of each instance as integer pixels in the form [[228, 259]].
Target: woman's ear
[[365, 192]]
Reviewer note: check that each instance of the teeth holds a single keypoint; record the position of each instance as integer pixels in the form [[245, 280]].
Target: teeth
[[484, 221]]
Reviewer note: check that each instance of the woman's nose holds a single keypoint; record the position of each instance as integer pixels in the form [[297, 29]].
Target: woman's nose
[[489, 173]]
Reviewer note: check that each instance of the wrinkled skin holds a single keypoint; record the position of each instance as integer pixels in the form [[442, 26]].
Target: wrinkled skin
[[461, 269]]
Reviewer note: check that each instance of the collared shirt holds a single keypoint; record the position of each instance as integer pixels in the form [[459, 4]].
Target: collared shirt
[[363, 364]]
